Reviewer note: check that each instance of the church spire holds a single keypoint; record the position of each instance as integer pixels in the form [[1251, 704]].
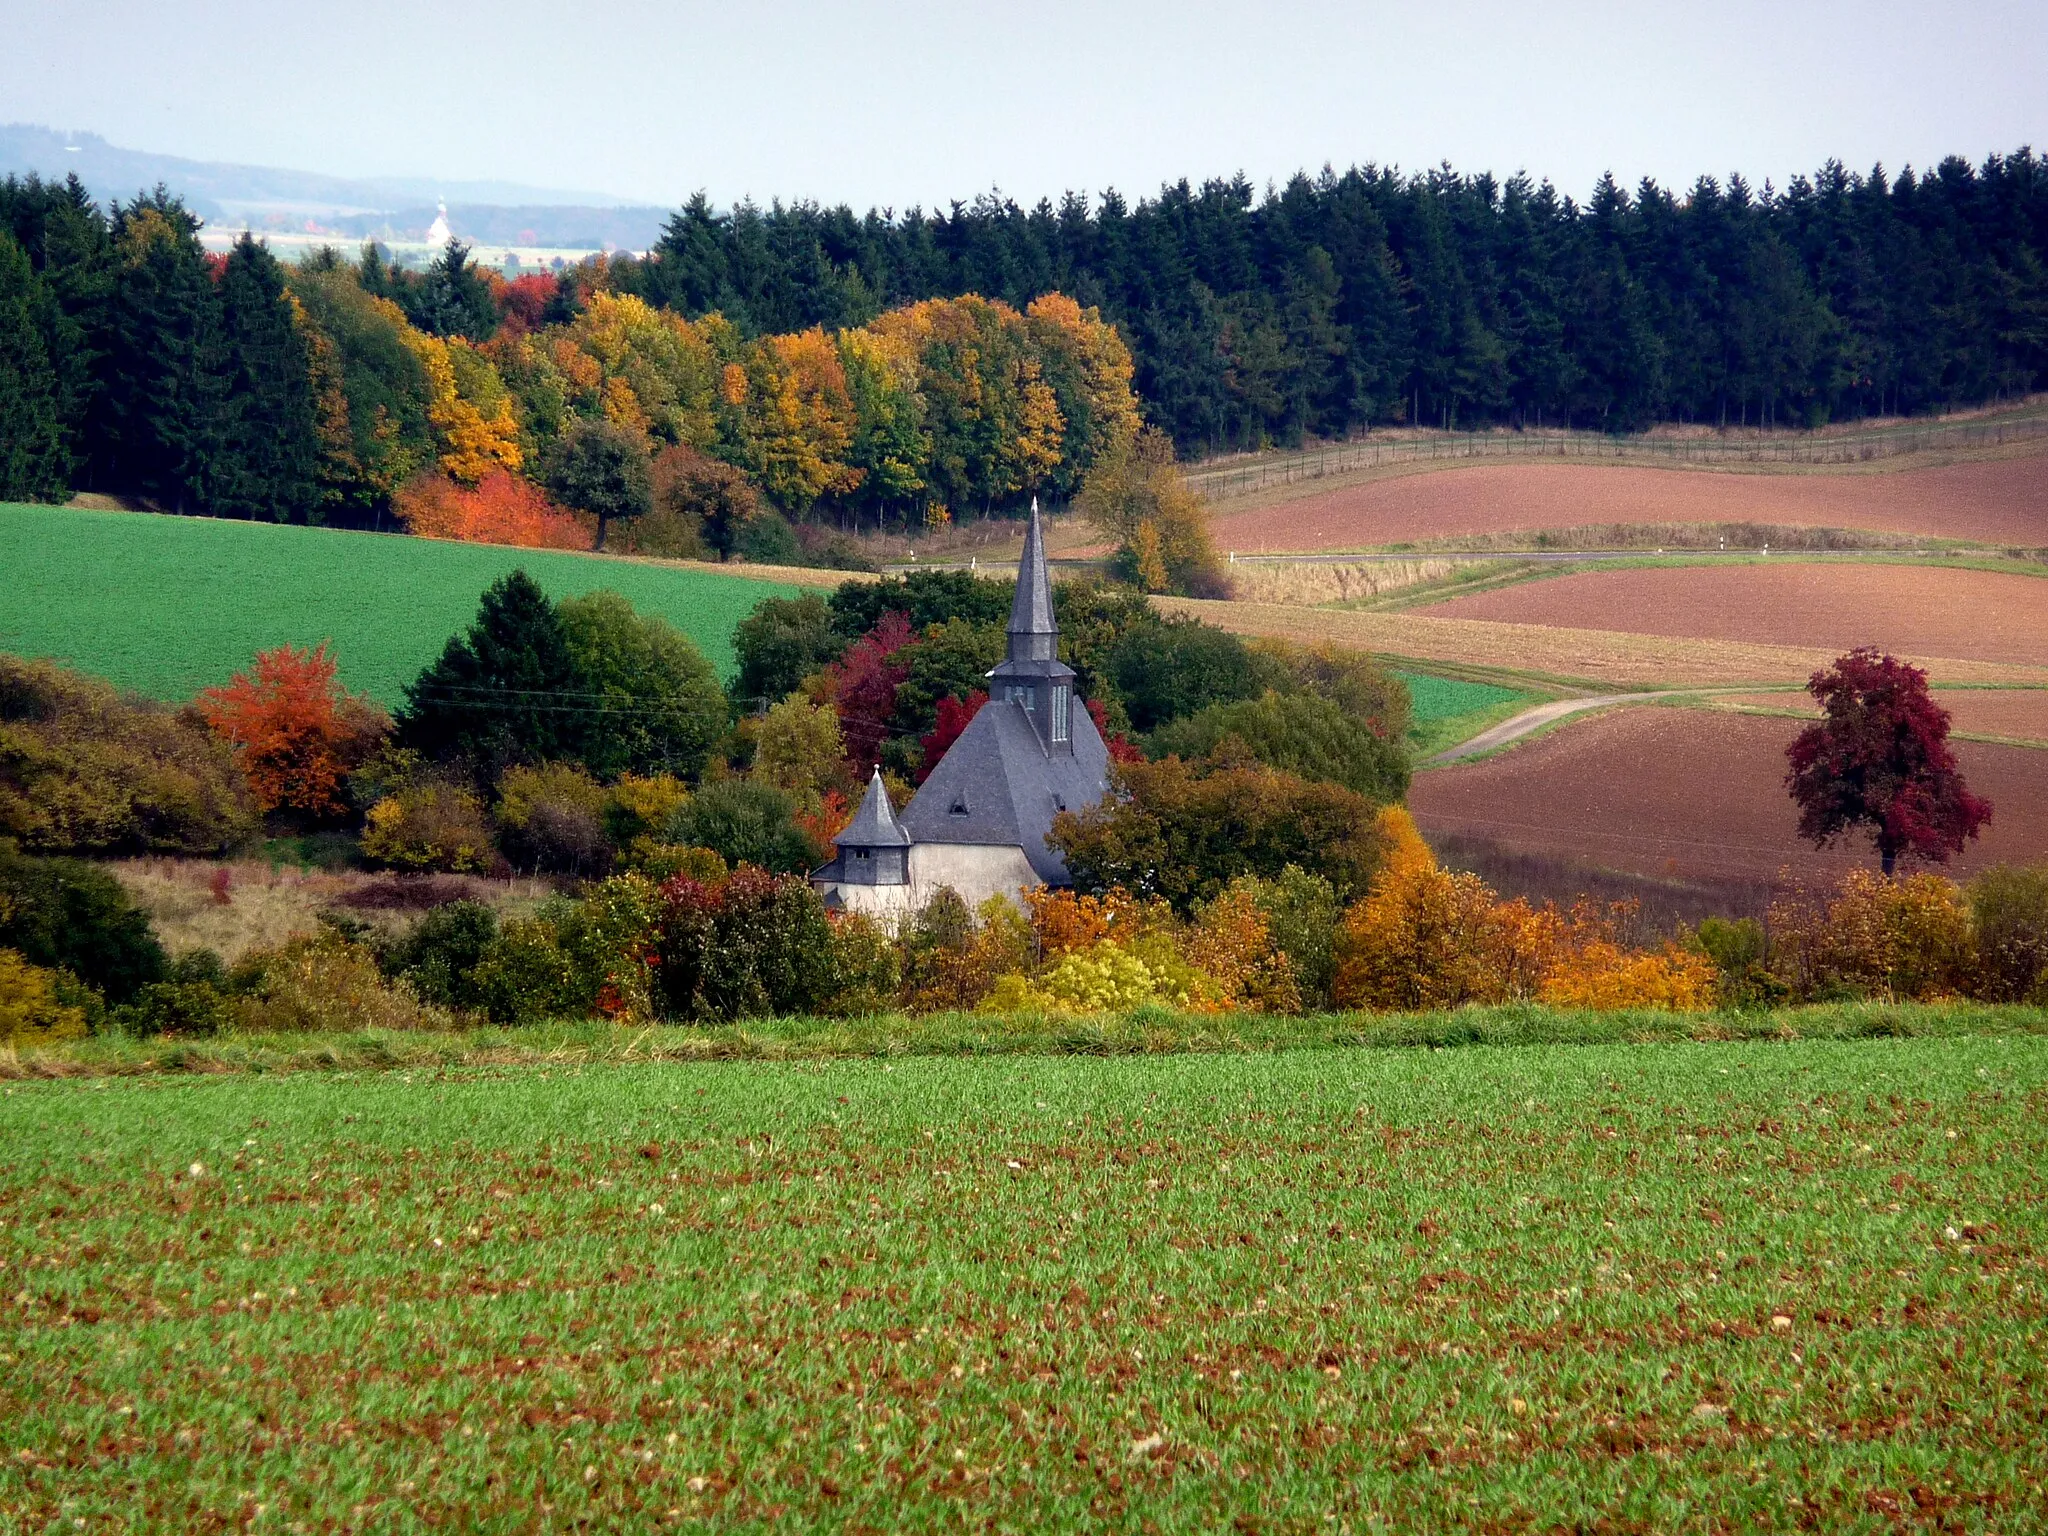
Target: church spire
[[1034, 632]]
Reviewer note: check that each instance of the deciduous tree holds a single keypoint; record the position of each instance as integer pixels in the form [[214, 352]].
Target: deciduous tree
[[1880, 759]]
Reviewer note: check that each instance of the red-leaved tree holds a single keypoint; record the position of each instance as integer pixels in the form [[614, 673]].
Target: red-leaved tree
[[1121, 748], [862, 686], [954, 715], [1881, 759], [296, 732]]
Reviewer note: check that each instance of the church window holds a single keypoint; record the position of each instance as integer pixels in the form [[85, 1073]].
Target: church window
[[1022, 693], [1061, 693]]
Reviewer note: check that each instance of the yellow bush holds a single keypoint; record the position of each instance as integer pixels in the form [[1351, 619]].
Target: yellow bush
[[1231, 943], [428, 826], [322, 984], [30, 1012], [1602, 974], [1909, 937], [1424, 938]]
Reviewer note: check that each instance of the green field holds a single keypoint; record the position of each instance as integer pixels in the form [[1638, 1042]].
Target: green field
[[169, 605], [1605, 1287], [1449, 710]]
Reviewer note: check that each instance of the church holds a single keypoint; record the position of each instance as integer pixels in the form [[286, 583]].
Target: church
[[978, 824]]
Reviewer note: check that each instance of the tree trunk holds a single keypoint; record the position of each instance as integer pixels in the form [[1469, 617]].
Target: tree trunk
[[1889, 860]]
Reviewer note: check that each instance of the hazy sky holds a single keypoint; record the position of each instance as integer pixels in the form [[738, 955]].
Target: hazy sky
[[894, 104]]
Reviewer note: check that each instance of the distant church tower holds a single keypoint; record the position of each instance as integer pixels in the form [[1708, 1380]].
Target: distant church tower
[[438, 232], [979, 821]]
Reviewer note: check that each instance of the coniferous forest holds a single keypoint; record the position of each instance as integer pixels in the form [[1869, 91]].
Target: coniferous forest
[[935, 364], [1340, 302]]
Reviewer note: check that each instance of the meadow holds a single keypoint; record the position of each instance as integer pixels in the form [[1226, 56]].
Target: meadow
[[1621, 1287], [1448, 710], [169, 605]]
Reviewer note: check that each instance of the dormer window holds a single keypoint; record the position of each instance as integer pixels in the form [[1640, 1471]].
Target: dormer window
[[958, 807]]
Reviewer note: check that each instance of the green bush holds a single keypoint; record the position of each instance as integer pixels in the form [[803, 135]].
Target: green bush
[[525, 975], [754, 946], [84, 769], [67, 915], [768, 540], [745, 822], [2010, 910], [654, 704], [440, 956], [783, 641], [1302, 733]]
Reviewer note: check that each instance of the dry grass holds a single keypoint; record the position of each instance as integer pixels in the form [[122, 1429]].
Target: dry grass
[[1604, 658], [1311, 582], [260, 906]]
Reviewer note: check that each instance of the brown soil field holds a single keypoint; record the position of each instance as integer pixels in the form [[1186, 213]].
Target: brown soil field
[[1603, 659], [1917, 611], [2000, 501], [1689, 793]]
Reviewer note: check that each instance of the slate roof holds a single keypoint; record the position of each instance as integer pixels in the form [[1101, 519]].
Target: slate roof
[[999, 783], [874, 825]]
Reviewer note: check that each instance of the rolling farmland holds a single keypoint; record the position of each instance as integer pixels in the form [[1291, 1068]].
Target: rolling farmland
[[169, 605]]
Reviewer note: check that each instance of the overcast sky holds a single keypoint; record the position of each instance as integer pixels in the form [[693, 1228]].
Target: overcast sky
[[894, 104]]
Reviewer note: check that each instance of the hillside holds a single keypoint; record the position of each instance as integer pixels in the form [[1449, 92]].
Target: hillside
[[169, 605]]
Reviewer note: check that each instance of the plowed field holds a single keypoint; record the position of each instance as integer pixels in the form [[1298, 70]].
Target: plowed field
[[2003, 501], [1911, 610], [1693, 793], [2018, 713]]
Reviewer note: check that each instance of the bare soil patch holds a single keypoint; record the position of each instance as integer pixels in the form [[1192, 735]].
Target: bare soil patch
[[1999, 501], [1692, 794], [1910, 610]]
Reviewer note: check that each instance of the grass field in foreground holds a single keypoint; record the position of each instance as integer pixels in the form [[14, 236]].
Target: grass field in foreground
[[1627, 1287], [169, 605]]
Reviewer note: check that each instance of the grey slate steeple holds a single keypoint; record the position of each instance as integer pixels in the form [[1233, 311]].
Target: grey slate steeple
[[1034, 632], [875, 825]]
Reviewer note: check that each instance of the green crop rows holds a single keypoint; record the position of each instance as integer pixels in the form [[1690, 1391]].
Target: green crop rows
[[169, 605], [1604, 1287]]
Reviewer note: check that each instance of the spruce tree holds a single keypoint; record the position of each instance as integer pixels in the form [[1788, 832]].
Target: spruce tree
[[453, 299], [163, 377], [269, 452], [33, 463], [505, 692]]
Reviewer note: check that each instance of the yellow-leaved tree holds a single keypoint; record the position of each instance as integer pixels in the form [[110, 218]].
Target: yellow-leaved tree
[[1135, 494]]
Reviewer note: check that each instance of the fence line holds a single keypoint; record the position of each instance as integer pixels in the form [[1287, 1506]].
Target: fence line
[[1850, 448]]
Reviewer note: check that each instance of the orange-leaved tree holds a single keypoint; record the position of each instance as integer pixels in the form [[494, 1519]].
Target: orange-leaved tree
[[502, 508], [296, 732]]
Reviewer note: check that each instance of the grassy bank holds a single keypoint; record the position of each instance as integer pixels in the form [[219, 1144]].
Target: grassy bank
[[1148, 1031], [1612, 1286]]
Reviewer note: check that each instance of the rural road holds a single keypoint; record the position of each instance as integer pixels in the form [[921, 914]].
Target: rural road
[[1518, 726]]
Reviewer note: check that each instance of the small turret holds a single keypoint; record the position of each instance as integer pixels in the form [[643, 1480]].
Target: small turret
[[874, 849]]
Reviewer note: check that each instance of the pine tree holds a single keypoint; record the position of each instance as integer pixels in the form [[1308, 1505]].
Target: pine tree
[[505, 692], [269, 451], [33, 463]]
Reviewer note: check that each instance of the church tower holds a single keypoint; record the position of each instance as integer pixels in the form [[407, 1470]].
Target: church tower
[[1032, 676]]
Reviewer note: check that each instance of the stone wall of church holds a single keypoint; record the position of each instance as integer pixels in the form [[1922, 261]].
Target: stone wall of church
[[976, 871]]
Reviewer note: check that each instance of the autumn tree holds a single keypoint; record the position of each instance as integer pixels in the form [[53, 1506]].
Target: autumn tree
[[1881, 759], [295, 730], [602, 469], [1135, 494]]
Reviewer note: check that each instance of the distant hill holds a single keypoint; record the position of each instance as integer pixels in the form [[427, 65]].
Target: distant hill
[[262, 194]]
